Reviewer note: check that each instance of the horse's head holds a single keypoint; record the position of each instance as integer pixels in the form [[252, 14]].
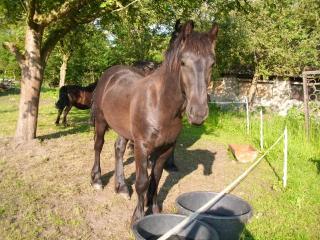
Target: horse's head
[[195, 59]]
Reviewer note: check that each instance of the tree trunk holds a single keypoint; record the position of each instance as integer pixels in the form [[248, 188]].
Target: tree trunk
[[63, 69], [32, 68], [252, 89]]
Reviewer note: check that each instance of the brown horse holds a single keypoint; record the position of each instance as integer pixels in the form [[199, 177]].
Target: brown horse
[[73, 95], [149, 110]]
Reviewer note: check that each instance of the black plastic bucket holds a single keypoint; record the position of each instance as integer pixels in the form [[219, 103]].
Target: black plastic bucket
[[228, 216], [154, 226]]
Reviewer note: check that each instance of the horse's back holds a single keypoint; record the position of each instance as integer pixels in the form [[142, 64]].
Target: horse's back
[[117, 72], [114, 94], [119, 81]]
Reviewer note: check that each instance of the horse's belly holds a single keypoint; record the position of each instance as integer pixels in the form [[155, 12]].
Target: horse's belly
[[117, 118]]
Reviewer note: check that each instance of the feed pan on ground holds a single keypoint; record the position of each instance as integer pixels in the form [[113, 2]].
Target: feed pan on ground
[[227, 216], [154, 226]]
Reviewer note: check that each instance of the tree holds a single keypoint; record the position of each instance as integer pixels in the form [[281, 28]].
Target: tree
[[283, 37], [46, 22], [90, 54]]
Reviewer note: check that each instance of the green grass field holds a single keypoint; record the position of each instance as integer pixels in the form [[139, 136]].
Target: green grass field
[[291, 213]]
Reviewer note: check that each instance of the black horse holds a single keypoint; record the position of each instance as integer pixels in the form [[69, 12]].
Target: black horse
[[73, 95], [148, 110]]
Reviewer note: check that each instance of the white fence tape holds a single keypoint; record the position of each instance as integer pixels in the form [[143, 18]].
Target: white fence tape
[[231, 186]]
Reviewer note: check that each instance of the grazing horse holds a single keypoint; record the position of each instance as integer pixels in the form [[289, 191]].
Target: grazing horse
[[148, 110], [146, 66], [73, 95]]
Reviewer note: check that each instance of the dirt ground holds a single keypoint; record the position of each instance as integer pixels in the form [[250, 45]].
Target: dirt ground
[[46, 192]]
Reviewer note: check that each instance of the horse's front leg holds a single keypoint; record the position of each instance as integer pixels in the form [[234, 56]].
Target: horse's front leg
[[155, 178], [65, 113], [142, 181], [100, 129], [170, 164], [58, 117], [120, 185]]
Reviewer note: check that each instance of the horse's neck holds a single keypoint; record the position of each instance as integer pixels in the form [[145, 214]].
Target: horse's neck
[[171, 93]]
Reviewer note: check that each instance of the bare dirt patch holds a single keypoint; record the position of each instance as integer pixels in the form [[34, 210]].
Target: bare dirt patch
[[45, 187]]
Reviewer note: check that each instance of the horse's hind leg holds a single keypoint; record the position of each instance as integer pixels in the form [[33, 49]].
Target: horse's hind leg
[[65, 113], [170, 164], [58, 117], [100, 129], [120, 185]]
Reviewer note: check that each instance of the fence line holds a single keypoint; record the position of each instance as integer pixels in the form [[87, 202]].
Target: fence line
[[219, 102], [261, 130], [285, 157], [248, 119], [231, 186], [239, 102]]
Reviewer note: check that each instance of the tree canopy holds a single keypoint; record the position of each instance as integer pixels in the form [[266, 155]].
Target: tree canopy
[[263, 37], [267, 37]]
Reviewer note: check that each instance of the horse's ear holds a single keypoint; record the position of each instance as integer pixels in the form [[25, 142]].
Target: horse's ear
[[177, 26], [213, 32], [187, 28]]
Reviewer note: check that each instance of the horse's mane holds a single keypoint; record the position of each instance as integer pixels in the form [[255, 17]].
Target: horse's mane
[[91, 86], [198, 43]]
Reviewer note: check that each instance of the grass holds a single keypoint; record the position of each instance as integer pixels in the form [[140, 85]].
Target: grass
[[291, 213], [26, 211]]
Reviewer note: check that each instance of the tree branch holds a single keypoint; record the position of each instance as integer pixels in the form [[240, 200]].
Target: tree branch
[[124, 7], [55, 35], [52, 40], [63, 26], [31, 5], [15, 51], [66, 9]]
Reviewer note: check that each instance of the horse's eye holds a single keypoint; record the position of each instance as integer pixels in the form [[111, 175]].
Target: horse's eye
[[182, 63]]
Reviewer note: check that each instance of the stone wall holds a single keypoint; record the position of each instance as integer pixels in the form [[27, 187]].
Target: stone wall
[[279, 95]]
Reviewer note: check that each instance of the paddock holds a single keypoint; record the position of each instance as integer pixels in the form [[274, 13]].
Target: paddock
[[45, 187]]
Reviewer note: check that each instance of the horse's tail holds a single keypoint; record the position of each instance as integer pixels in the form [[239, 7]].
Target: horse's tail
[[63, 98], [93, 110]]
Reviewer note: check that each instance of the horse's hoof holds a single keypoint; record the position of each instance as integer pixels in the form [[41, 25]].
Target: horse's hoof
[[97, 186], [125, 195], [136, 217], [123, 191]]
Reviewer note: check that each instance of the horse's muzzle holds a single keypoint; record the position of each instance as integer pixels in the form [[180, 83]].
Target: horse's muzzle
[[197, 116]]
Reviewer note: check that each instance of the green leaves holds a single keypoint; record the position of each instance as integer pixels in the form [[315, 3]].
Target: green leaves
[[109, 3], [265, 36]]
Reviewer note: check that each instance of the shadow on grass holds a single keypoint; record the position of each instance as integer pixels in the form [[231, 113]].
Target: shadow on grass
[[187, 161], [14, 110], [65, 132], [246, 235], [78, 122], [317, 163], [48, 89], [11, 91], [273, 168], [105, 178]]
